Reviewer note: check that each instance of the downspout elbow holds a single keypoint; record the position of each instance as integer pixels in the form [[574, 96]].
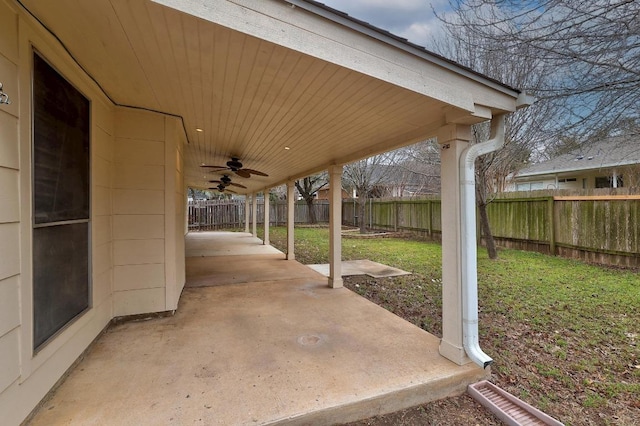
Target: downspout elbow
[[469, 275], [495, 142]]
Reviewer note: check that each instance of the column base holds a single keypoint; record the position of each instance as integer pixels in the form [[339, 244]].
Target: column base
[[291, 256], [336, 282], [453, 353]]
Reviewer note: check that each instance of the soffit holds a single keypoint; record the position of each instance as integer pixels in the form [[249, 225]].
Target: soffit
[[252, 97]]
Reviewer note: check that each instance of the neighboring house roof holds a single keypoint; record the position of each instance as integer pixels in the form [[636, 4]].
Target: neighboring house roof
[[611, 152]]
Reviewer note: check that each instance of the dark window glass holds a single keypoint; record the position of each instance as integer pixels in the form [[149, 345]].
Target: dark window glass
[[61, 200], [60, 277], [603, 182], [607, 182], [61, 147]]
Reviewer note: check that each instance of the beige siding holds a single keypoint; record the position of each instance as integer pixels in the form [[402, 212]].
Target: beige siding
[[25, 376], [175, 213], [9, 204], [135, 201], [138, 229], [9, 358], [131, 232], [8, 140], [102, 143]]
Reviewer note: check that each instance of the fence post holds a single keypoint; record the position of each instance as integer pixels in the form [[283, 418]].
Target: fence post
[[395, 221], [429, 219], [552, 226]]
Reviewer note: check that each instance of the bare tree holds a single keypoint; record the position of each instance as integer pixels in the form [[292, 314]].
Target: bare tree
[[308, 188], [364, 176], [590, 52], [580, 59], [421, 159], [527, 130]]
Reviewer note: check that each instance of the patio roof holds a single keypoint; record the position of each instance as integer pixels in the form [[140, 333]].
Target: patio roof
[[257, 339], [261, 76]]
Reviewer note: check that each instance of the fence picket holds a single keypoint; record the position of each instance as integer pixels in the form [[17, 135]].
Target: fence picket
[[596, 227]]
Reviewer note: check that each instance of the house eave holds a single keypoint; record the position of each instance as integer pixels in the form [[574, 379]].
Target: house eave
[[401, 44], [552, 173]]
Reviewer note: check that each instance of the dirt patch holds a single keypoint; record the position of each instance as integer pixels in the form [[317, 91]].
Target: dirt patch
[[461, 410], [568, 391]]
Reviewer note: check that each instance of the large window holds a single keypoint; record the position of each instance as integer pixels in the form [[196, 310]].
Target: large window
[[61, 200], [529, 186], [609, 182]]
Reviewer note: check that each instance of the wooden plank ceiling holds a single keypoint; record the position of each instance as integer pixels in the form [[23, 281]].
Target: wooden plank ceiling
[[251, 98]]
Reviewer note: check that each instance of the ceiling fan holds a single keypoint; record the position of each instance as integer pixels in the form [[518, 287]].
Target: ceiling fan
[[225, 181], [236, 166], [223, 188]]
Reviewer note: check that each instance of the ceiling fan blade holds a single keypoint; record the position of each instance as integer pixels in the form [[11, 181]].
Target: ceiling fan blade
[[243, 173], [215, 181], [237, 184], [214, 167], [255, 172]]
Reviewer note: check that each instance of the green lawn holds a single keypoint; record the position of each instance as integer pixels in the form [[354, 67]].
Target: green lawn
[[564, 334]]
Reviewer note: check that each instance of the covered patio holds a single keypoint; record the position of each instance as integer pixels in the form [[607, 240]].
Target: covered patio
[[270, 344], [116, 108]]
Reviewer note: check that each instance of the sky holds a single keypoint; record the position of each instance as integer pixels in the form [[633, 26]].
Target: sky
[[411, 19]]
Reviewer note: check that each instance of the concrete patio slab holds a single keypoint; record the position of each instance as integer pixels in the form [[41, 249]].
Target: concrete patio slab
[[361, 267], [222, 270], [280, 351], [221, 243]]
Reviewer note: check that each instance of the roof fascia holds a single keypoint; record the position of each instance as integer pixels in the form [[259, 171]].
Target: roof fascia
[[401, 44], [577, 170]]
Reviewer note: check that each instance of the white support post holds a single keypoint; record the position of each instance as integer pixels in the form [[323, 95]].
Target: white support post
[[247, 213], [453, 139], [291, 218], [254, 213], [335, 227], [266, 218]]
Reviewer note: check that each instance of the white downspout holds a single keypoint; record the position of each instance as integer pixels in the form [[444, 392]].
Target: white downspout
[[469, 253]]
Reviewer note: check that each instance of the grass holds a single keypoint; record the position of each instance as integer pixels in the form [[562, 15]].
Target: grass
[[563, 333]]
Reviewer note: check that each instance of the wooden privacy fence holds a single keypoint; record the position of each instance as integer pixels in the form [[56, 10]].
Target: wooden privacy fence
[[419, 216], [598, 228], [602, 228], [206, 215]]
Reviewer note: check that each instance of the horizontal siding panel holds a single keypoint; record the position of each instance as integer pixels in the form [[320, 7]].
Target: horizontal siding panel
[[143, 301], [9, 252], [139, 125], [136, 277], [101, 287], [101, 201], [141, 152], [8, 33], [9, 304], [9, 359], [138, 201], [101, 258], [9, 156], [138, 227], [131, 176], [9, 195], [138, 252]]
